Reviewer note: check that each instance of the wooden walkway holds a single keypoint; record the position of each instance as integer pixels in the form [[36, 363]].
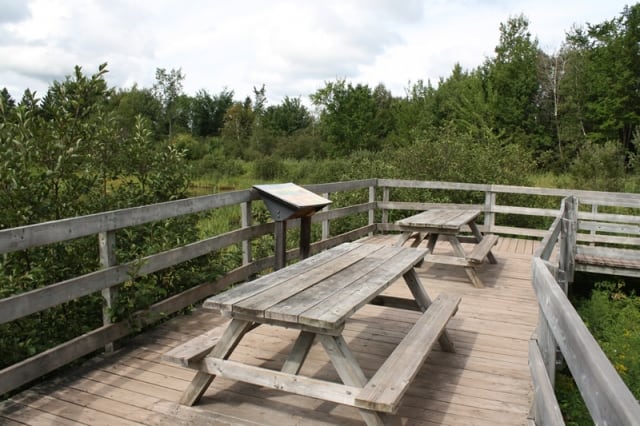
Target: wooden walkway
[[486, 382]]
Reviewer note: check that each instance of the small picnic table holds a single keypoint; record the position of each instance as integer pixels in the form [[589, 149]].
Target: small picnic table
[[317, 296], [448, 223]]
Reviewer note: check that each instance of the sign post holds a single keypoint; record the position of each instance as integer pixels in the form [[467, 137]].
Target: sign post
[[287, 201]]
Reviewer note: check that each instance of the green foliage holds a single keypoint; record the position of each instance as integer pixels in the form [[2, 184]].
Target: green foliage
[[207, 112], [455, 156], [461, 103], [64, 156], [609, 59], [612, 315], [238, 128], [128, 104], [599, 167], [168, 91], [350, 117], [287, 118], [414, 115], [513, 86], [268, 168], [194, 149]]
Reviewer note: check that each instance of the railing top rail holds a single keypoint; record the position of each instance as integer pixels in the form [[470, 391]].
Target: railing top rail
[[433, 184], [23, 237], [586, 197], [605, 394], [321, 188]]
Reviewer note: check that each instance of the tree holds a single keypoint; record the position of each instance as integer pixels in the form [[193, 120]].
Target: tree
[[287, 118], [238, 128], [461, 102], [6, 100], [64, 156], [384, 119], [167, 90], [207, 112], [134, 102], [414, 114], [512, 82], [551, 70], [347, 117], [607, 59]]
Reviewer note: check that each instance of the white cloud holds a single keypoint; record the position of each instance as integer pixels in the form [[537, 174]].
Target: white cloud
[[291, 46]]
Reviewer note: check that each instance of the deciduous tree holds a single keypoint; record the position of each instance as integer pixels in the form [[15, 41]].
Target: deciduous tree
[[167, 89]]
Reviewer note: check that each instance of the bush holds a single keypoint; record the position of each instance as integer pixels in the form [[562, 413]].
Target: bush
[[612, 316], [268, 168], [599, 167], [453, 156]]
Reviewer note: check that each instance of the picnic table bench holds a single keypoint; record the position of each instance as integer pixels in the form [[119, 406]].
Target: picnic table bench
[[447, 223], [317, 296], [608, 248]]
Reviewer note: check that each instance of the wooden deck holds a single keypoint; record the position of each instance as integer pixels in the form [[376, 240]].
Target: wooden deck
[[487, 382]]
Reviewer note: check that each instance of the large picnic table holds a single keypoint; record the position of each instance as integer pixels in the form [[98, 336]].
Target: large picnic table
[[448, 223], [317, 296]]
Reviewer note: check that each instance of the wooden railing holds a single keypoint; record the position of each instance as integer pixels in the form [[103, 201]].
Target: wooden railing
[[561, 335], [107, 279], [501, 206]]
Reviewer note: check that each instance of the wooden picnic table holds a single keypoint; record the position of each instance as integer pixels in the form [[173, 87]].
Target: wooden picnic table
[[448, 223], [317, 296]]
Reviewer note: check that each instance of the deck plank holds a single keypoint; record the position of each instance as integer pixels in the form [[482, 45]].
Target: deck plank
[[486, 382]]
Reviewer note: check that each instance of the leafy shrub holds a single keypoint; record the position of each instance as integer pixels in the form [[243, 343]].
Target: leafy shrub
[[599, 167], [612, 316], [67, 158], [453, 156], [194, 149], [268, 168]]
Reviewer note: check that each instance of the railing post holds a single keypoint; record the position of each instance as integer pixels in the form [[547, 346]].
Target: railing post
[[326, 230], [107, 246], [594, 212], [246, 221], [281, 243], [489, 215], [385, 199], [372, 210], [568, 243]]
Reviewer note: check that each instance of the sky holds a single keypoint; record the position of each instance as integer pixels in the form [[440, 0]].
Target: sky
[[292, 47]]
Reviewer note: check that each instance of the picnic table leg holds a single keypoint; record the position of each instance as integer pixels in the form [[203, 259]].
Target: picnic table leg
[[348, 369], [431, 242], [299, 352], [478, 235], [421, 236], [402, 238], [423, 300], [459, 251], [229, 340]]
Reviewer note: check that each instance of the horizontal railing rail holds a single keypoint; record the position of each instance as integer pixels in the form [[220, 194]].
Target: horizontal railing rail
[[107, 279], [376, 200], [561, 334]]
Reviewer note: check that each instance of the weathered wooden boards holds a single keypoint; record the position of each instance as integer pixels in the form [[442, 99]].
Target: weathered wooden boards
[[196, 348], [317, 296], [612, 245], [322, 291], [386, 387], [447, 224], [485, 383]]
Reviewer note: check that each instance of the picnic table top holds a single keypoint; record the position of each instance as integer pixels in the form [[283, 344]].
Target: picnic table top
[[321, 291], [444, 219]]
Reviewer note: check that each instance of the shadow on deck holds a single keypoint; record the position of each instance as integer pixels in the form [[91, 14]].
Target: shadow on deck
[[486, 382]]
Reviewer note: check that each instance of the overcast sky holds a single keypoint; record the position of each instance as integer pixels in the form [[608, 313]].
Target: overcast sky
[[291, 46]]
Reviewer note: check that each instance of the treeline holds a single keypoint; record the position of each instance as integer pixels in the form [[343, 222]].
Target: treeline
[[582, 100]]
